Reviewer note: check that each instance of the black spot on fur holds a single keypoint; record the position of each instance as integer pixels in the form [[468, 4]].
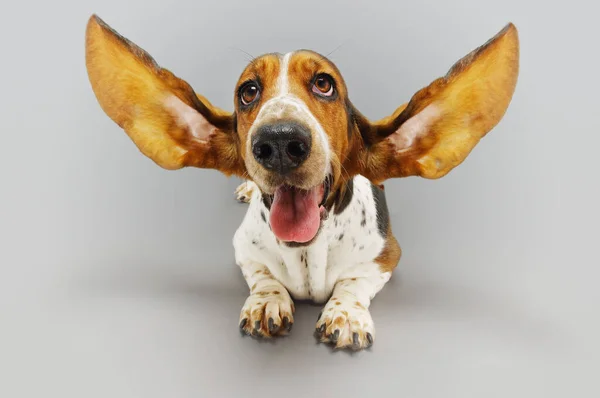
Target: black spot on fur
[[350, 120], [361, 247], [254, 242], [383, 214], [262, 215], [342, 200], [341, 237], [267, 200]]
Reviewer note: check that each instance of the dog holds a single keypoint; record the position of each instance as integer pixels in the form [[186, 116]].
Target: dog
[[317, 227]]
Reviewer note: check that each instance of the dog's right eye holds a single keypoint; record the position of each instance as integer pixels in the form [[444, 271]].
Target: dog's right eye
[[249, 93]]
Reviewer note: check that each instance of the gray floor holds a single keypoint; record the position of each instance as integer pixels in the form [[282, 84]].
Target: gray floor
[[118, 277]]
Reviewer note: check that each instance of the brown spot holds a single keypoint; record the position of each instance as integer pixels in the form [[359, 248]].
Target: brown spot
[[276, 292], [257, 314], [359, 305], [353, 279], [338, 303], [339, 322], [390, 255]]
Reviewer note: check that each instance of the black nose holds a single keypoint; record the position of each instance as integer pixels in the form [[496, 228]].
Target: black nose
[[281, 146]]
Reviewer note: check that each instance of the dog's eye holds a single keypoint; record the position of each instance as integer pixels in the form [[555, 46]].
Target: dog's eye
[[249, 93], [323, 85]]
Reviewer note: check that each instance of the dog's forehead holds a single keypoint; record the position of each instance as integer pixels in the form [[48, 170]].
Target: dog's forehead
[[267, 67]]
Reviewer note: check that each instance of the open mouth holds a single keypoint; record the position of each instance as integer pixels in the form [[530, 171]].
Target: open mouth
[[296, 213]]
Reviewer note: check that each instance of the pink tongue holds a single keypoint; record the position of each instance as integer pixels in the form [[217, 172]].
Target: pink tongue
[[295, 215]]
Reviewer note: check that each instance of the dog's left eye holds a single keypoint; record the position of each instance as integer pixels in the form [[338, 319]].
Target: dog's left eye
[[323, 85], [249, 93]]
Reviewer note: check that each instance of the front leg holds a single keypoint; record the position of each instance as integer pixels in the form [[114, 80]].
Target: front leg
[[346, 322], [269, 310]]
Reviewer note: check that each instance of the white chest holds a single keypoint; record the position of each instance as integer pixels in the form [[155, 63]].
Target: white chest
[[345, 247]]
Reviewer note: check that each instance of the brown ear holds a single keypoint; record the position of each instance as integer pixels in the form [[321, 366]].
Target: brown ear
[[442, 123], [163, 116]]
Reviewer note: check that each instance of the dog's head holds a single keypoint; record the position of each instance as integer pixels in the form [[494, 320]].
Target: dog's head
[[294, 130]]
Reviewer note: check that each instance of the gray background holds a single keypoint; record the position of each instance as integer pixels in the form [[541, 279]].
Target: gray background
[[118, 277]]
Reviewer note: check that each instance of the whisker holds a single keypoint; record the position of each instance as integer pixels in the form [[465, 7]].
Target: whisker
[[337, 48], [250, 58]]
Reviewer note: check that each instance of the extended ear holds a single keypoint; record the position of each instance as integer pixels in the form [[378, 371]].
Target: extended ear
[[442, 123], [163, 116]]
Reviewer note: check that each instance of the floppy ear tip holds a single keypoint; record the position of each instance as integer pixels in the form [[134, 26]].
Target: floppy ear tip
[[510, 29], [97, 30], [95, 22], [94, 25], [93, 19], [93, 32], [510, 36]]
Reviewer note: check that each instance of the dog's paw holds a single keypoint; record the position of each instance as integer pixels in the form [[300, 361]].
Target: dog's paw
[[244, 191], [345, 324], [268, 312]]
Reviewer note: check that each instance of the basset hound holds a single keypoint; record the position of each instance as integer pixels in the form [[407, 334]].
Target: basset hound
[[317, 227]]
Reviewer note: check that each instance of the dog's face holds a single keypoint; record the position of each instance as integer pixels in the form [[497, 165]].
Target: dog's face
[[293, 120], [294, 130]]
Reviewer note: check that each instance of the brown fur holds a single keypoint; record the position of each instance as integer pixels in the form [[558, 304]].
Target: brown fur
[[332, 115], [266, 70], [131, 88], [390, 255], [471, 99]]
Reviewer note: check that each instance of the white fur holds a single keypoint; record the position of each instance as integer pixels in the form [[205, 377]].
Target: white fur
[[283, 83], [345, 248]]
